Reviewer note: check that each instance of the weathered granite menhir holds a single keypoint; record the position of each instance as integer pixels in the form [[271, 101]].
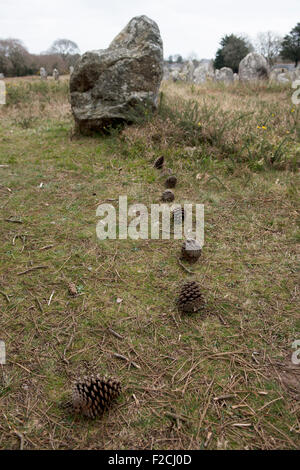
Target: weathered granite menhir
[[253, 67], [109, 86]]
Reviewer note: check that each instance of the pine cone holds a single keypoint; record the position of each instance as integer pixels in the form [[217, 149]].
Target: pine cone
[[191, 250], [171, 182], [178, 215], [91, 396], [190, 298], [72, 289], [168, 196], [159, 162]]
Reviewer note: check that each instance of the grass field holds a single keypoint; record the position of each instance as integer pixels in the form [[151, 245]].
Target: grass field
[[219, 379]]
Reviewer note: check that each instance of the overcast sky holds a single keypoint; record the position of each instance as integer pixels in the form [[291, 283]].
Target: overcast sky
[[186, 25]]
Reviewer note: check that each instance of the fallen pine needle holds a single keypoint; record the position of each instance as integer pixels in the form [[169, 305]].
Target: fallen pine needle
[[242, 425], [51, 296], [224, 397], [269, 403], [34, 268], [114, 333]]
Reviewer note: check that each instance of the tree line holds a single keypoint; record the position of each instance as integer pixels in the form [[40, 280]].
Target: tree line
[[16, 61]]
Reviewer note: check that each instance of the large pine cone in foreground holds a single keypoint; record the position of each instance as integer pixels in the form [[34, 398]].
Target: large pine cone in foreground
[[91, 396], [190, 298]]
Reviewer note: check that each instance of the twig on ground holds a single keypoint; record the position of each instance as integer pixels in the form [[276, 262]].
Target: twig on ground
[[114, 333], [124, 358], [50, 298], [224, 397], [21, 437], [184, 267], [39, 305], [14, 221], [47, 247], [5, 295], [34, 268]]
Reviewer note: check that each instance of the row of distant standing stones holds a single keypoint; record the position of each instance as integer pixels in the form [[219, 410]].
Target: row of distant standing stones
[[44, 74], [253, 67], [55, 73]]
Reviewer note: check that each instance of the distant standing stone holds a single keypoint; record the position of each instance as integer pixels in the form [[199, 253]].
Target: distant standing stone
[[253, 67], [116, 85], [204, 72], [43, 73], [55, 74], [1, 76], [71, 69], [175, 75], [225, 74]]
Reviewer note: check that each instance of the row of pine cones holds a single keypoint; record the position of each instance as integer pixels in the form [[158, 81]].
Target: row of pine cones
[[191, 249], [93, 395], [190, 297]]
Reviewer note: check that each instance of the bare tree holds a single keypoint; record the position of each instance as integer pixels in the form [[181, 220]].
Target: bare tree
[[64, 48], [268, 44], [15, 60]]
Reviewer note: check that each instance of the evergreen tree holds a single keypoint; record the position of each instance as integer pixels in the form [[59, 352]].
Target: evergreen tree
[[291, 45], [233, 49]]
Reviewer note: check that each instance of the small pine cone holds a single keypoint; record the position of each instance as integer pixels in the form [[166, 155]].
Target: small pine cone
[[190, 298], [72, 289], [91, 396], [171, 182], [191, 250], [178, 215], [159, 162], [168, 196]]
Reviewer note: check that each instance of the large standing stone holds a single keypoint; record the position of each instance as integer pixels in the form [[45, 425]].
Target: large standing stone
[[253, 67], [110, 86], [175, 75], [283, 78], [205, 71], [225, 74]]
